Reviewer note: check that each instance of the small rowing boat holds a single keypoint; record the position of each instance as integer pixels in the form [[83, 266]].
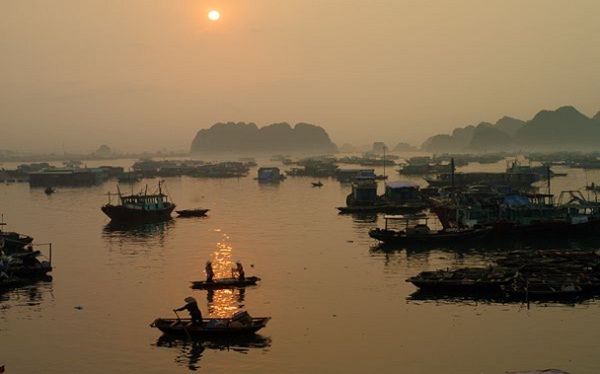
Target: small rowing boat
[[241, 323], [197, 212], [225, 283]]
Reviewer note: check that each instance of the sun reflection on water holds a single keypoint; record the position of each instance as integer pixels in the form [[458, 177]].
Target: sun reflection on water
[[224, 302]]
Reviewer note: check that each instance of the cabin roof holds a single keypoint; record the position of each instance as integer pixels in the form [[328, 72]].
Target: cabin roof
[[401, 184]]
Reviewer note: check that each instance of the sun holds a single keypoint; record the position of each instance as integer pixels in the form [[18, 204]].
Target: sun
[[214, 15]]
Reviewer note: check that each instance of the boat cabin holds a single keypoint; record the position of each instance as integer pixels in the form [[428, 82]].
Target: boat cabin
[[402, 191]]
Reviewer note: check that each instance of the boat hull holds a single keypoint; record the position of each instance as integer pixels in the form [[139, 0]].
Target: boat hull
[[192, 212], [120, 213], [209, 326], [224, 283], [401, 237]]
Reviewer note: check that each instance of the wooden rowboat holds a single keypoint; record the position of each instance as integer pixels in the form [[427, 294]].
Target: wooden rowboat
[[210, 326], [198, 212], [225, 283]]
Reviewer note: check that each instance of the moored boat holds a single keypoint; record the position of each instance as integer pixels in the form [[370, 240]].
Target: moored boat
[[421, 233], [141, 207], [196, 212], [474, 279], [225, 283], [13, 241]]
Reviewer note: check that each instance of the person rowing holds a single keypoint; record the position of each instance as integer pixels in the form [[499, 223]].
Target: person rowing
[[239, 269], [192, 307], [209, 271]]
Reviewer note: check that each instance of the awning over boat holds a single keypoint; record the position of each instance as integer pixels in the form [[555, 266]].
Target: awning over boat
[[405, 216]]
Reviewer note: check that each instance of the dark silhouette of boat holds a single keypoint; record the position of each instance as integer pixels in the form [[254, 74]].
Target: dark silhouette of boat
[[13, 241], [197, 212], [464, 280], [419, 232], [244, 324], [317, 184], [141, 207], [225, 283]]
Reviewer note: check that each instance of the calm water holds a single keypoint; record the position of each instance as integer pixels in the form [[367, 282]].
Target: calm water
[[338, 304]]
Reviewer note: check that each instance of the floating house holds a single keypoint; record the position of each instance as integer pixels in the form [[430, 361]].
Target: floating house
[[269, 175], [66, 177]]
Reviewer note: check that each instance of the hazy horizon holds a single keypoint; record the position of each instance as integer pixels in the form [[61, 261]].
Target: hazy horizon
[[145, 76]]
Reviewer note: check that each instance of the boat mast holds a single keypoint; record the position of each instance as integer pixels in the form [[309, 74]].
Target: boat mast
[[384, 161], [452, 171]]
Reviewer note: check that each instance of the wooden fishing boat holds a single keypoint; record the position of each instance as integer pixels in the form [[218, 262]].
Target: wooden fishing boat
[[196, 212], [473, 279], [225, 283], [13, 241], [418, 232], [26, 265], [211, 326], [142, 207], [317, 184]]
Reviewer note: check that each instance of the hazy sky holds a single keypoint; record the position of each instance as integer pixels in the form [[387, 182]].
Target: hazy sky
[[143, 75]]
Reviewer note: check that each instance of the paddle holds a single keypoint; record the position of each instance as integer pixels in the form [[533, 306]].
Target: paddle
[[182, 324]]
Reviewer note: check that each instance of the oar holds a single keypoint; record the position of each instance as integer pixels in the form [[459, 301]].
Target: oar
[[183, 325]]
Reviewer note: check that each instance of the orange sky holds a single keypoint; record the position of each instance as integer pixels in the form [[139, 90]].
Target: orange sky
[[147, 75]]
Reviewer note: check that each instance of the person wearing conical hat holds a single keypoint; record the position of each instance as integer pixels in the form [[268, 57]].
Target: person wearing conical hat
[[192, 307], [239, 269], [209, 271]]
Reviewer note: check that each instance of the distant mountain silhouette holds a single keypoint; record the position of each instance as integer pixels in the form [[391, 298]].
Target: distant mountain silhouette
[[278, 137], [561, 129]]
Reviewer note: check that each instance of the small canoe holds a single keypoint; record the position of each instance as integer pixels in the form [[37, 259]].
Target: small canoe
[[317, 184], [210, 326], [224, 283], [192, 212]]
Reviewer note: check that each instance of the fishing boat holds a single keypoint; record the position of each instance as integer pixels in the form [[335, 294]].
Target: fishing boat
[[141, 207], [25, 264], [317, 184], [472, 279], [196, 212], [13, 241], [225, 283], [241, 323], [416, 230]]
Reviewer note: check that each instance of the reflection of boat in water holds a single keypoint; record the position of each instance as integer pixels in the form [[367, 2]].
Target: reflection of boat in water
[[241, 323], [416, 230], [139, 235], [225, 283], [189, 350], [141, 207], [237, 342], [196, 212]]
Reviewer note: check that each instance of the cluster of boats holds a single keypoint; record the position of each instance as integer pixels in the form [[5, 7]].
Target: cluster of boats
[[471, 214], [521, 275], [20, 264]]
